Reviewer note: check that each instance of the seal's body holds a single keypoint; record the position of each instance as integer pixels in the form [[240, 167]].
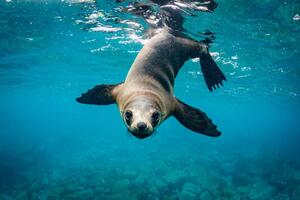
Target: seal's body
[[146, 97]]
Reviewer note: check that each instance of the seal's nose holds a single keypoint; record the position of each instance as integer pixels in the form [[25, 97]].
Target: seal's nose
[[141, 126]]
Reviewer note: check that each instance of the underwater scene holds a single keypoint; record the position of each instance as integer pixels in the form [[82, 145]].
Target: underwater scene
[[53, 147]]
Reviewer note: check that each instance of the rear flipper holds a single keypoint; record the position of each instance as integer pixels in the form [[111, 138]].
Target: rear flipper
[[195, 120], [139, 9], [213, 75]]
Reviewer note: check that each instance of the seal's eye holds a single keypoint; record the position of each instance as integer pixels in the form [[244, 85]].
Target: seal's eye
[[128, 116], [155, 117]]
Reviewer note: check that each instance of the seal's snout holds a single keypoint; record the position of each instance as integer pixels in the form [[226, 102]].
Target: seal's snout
[[141, 130], [141, 126]]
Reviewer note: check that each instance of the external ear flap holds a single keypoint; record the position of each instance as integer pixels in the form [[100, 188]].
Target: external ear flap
[[195, 120], [99, 95]]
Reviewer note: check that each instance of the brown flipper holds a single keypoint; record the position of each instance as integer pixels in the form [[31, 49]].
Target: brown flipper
[[195, 120], [99, 95], [213, 75]]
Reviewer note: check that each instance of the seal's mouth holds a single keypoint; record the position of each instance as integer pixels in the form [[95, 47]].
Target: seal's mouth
[[140, 134]]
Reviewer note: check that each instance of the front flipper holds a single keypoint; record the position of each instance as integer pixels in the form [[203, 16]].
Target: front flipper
[[195, 120], [99, 95], [213, 76]]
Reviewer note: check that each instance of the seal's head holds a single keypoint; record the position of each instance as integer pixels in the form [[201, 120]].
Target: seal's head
[[141, 117]]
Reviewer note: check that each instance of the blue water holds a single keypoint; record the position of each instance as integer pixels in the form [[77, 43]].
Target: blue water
[[52, 147]]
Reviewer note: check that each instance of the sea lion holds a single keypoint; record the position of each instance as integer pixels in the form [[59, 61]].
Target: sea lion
[[145, 99]]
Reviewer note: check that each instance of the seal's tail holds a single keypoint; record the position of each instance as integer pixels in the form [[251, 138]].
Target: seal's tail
[[213, 75]]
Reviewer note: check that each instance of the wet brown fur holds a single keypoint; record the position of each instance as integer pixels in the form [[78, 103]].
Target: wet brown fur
[[154, 71]]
